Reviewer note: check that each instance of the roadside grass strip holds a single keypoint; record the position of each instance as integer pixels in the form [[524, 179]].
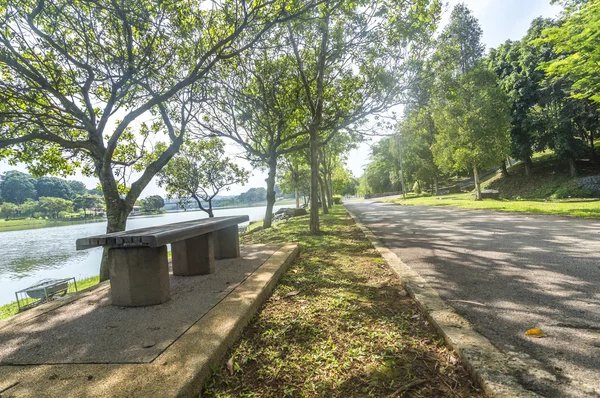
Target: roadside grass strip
[[339, 324]]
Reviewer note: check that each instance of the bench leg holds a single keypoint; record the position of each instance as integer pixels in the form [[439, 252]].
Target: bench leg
[[217, 249], [194, 256], [139, 276], [229, 242]]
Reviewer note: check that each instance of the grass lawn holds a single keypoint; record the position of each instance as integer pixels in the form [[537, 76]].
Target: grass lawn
[[11, 309], [577, 208], [14, 225], [337, 325], [32, 223]]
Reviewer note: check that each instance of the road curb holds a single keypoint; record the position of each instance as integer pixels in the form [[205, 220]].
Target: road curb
[[492, 368]]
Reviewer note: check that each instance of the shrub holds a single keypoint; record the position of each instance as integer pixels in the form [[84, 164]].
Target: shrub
[[337, 199], [573, 192], [417, 188]]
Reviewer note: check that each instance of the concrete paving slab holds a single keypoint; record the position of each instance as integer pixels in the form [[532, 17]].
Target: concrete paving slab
[[197, 336]]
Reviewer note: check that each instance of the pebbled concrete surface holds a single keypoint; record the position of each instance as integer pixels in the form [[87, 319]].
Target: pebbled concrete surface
[[91, 330], [180, 370], [507, 273]]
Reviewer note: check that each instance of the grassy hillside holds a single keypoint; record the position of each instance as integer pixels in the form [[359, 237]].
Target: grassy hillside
[[550, 189], [549, 179]]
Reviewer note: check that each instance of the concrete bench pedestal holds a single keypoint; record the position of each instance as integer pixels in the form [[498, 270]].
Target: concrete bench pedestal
[[228, 242], [139, 276], [194, 256]]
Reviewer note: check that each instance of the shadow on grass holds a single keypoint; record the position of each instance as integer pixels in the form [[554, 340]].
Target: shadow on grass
[[337, 325]]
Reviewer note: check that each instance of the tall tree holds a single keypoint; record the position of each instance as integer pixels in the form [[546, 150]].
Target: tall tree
[[53, 187], [355, 58], [54, 206], [200, 172], [78, 187], [80, 81], [294, 176], [578, 43], [460, 43], [417, 133], [85, 202], [470, 110], [473, 123], [17, 187], [257, 108], [517, 66]]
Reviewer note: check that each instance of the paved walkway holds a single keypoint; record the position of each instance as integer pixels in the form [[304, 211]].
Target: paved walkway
[[507, 273]]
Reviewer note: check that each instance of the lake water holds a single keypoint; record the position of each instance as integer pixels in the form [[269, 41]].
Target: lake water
[[30, 255]]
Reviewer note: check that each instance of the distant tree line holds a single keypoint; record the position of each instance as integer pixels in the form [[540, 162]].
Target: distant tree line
[[25, 196], [16, 187]]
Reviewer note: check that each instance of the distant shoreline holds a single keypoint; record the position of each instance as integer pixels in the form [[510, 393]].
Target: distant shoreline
[[261, 204], [25, 224], [19, 225]]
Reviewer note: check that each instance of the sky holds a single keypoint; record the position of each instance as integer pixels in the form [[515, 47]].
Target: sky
[[500, 20]]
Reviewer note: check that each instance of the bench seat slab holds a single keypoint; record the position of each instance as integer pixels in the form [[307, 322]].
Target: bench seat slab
[[139, 276], [194, 256], [228, 242]]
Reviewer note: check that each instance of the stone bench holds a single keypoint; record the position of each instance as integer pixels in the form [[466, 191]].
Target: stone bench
[[138, 262], [490, 194]]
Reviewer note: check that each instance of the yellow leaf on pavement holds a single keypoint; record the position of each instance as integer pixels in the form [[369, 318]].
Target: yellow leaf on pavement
[[535, 332]]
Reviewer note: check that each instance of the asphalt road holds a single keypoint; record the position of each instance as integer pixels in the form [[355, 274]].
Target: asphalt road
[[507, 273]]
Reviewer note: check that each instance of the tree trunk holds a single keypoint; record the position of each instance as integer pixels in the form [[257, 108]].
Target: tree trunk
[[267, 222], [297, 199], [199, 202], [328, 193], [330, 181], [572, 166], [210, 210], [477, 184], [504, 170], [314, 180], [528, 166], [323, 197], [116, 214], [436, 184], [401, 170], [509, 161]]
